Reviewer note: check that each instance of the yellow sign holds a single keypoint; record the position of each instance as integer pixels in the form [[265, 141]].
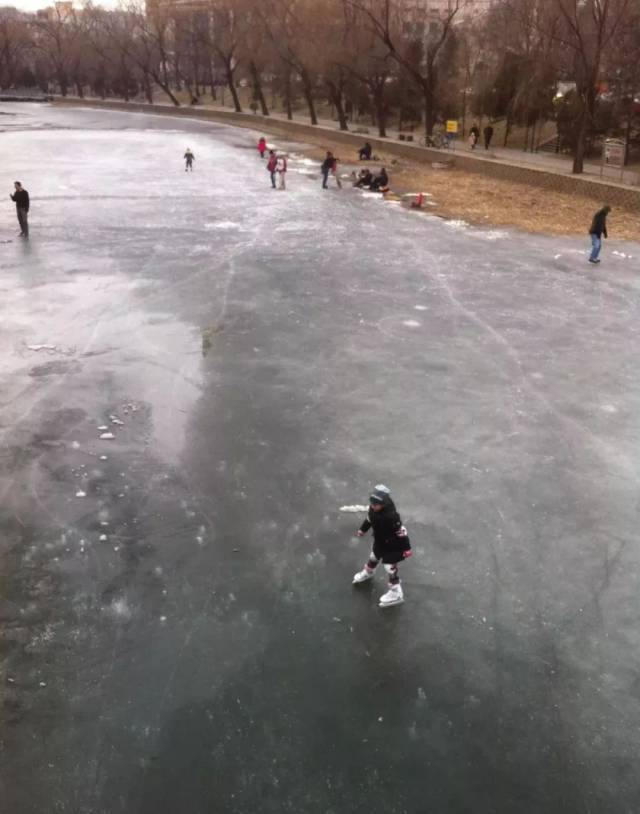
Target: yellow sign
[[452, 126]]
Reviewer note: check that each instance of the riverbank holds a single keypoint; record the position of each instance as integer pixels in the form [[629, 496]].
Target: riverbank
[[472, 188]]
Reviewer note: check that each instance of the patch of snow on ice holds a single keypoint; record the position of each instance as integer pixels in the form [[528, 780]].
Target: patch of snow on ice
[[107, 436], [354, 508], [411, 323], [120, 607], [41, 347], [493, 234], [420, 307], [457, 224], [609, 408]]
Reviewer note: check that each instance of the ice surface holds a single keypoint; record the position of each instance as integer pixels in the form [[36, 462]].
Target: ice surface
[[505, 424]]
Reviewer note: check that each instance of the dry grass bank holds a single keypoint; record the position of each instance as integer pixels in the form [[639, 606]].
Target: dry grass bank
[[485, 201]]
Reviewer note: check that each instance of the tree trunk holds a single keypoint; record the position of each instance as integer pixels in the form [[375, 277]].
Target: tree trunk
[[148, 92], [581, 144], [627, 136], [336, 99], [287, 95], [308, 95], [381, 113], [232, 88], [62, 81], [507, 128], [257, 88], [163, 86], [429, 112], [212, 82]]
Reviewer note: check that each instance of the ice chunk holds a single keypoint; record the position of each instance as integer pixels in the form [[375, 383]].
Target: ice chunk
[[103, 538], [41, 347], [107, 436], [354, 508], [81, 494]]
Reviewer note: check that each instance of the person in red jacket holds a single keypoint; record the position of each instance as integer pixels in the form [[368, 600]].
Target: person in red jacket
[[262, 146], [391, 544], [272, 165]]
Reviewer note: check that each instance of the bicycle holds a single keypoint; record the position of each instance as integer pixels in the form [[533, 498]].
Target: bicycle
[[437, 140]]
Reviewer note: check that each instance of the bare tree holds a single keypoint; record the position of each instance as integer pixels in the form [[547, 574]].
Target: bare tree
[[585, 29], [419, 55]]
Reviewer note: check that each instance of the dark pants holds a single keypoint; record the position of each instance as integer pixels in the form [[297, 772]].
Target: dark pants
[[325, 178], [23, 220], [273, 179], [487, 142]]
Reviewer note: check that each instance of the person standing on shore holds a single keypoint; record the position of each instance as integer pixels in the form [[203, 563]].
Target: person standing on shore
[[21, 199], [272, 165], [325, 169], [282, 169], [335, 173], [597, 230], [488, 135]]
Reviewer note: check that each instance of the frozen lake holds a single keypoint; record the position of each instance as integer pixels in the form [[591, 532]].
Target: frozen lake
[[179, 629]]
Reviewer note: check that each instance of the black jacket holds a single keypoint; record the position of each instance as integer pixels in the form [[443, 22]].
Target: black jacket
[[386, 524], [599, 224], [327, 164], [21, 197]]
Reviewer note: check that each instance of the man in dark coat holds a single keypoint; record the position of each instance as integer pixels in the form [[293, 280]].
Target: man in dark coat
[[597, 230], [325, 169], [21, 199], [488, 135]]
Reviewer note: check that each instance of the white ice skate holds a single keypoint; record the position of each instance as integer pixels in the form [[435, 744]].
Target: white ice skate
[[363, 576], [393, 596]]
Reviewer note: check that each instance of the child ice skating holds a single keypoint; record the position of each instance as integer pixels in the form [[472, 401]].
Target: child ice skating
[[188, 160], [262, 146], [391, 544]]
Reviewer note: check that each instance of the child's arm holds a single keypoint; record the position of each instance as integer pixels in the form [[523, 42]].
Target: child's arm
[[364, 528]]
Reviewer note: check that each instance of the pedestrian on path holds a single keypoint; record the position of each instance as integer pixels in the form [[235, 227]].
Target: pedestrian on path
[[597, 230], [488, 135], [188, 160], [282, 169], [262, 146], [21, 199], [391, 544], [325, 169], [474, 135], [272, 165]]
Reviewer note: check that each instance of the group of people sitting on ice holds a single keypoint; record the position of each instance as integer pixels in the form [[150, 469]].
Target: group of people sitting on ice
[[376, 183], [277, 166]]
